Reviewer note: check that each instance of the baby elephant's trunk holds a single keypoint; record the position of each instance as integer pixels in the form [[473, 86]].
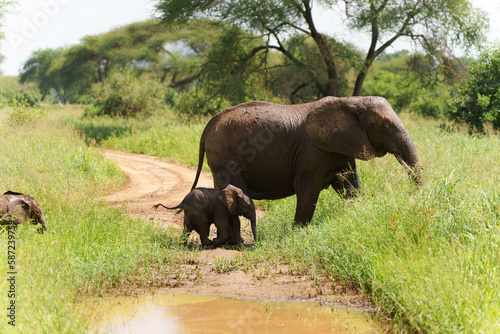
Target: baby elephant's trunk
[[43, 222], [253, 225]]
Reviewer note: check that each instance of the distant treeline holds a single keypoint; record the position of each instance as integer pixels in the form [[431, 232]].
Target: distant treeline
[[212, 61]]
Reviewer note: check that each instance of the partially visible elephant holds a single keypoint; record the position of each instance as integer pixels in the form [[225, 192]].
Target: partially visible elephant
[[204, 206], [21, 209], [272, 151]]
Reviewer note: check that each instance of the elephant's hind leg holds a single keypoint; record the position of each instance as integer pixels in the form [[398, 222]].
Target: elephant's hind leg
[[201, 224]]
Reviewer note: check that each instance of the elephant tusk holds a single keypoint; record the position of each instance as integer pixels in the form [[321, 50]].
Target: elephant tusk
[[404, 164]]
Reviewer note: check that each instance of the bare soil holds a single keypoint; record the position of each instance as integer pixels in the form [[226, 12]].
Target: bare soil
[[152, 180]]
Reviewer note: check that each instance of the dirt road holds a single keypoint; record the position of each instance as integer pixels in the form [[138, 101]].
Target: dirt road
[[152, 180]]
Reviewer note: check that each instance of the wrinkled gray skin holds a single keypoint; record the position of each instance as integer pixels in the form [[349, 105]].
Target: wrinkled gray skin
[[21, 209], [272, 151], [204, 206]]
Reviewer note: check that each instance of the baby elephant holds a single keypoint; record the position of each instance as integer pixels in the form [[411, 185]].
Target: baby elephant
[[204, 206], [21, 209]]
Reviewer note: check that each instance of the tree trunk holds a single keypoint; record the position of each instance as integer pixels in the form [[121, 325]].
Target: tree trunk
[[331, 88], [358, 87]]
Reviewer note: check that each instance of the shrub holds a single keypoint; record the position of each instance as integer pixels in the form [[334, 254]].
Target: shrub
[[24, 113], [30, 98], [431, 102], [199, 102], [478, 101], [171, 97], [127, 95]]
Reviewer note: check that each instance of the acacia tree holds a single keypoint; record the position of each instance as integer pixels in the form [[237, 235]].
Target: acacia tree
[[39, 69], [437, 25]]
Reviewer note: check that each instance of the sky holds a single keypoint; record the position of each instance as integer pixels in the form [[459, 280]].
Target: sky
[[41, 24]]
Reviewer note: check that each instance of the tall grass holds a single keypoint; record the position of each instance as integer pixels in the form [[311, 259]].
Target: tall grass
[[89, 247], [164, 135]]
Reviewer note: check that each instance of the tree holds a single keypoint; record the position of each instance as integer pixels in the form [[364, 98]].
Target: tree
[[39, 69], [438, 26], [478, 101], [289, 79], [58, 72], [228, 75]]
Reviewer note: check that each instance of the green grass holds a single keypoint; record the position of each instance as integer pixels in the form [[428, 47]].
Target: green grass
[[163, 135]]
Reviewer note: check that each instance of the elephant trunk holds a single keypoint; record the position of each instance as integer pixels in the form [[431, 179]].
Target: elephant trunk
[[407, 156], [253, 224], [43, 222]]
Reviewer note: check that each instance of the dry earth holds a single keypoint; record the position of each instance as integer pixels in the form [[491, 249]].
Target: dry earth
[[152, 180]]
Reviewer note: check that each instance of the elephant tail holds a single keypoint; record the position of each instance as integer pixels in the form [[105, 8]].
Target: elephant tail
[[201, 157], [180, 207]]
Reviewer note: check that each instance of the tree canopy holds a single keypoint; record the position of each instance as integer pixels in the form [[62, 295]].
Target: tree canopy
[[439, 27], [172, 57]]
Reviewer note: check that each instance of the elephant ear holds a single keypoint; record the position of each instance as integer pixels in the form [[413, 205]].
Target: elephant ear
[[334, 126], [231, 198]]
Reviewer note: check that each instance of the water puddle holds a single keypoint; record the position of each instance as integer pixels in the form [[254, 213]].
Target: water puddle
[[185, 313]]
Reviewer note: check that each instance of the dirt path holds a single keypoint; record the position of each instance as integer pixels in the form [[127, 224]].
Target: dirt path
[[152, 180]]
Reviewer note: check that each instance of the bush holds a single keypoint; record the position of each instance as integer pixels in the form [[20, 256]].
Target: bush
[[171, 97], [478, 101], [10, 88], [127, 95], [199, 102], [24, 113], [431, 102], [29, 97]]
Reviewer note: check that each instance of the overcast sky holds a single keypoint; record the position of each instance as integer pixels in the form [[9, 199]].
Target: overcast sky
[[41, 24]]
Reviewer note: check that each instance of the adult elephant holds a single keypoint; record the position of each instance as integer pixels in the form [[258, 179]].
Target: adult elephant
[[272, 151]]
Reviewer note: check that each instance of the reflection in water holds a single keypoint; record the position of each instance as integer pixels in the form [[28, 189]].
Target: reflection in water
[[184, 313]]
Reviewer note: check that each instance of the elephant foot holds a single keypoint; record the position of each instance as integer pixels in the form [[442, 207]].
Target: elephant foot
[[300, 224], [236, 242]]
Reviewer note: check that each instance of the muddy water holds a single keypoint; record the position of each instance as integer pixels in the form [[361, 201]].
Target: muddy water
[[184, 313]]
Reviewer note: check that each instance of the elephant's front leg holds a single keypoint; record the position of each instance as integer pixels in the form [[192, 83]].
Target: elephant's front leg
[[307, 191], [235, 225], [224, 233], [346, 182]]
